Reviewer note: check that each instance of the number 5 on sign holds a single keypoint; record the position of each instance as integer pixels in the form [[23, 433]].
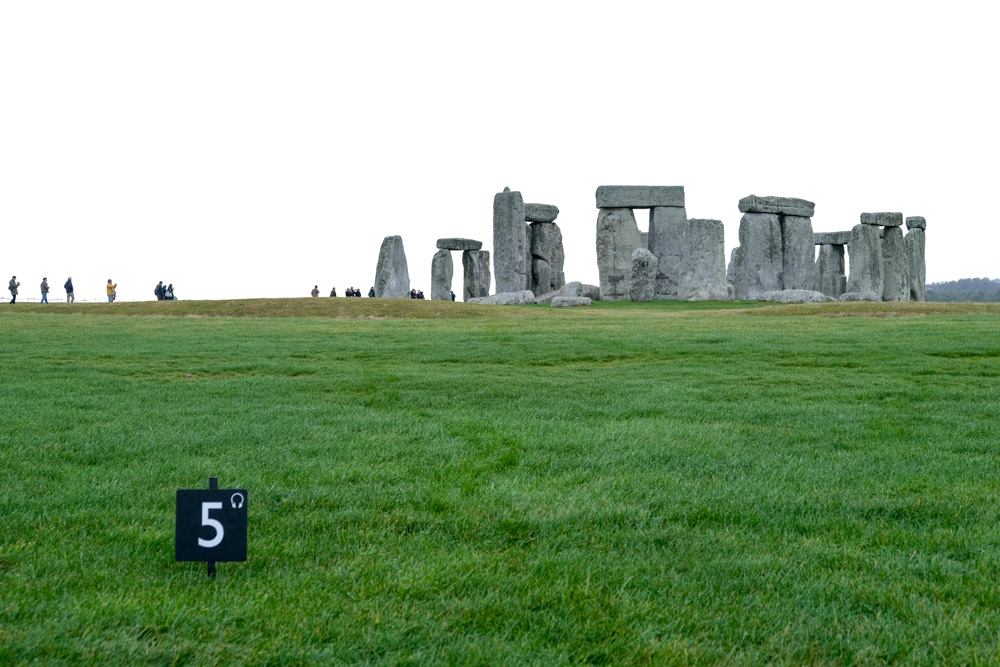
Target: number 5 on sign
[[211, 525], [205, 521]]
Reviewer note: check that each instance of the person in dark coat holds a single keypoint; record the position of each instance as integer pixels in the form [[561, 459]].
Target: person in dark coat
[[12, 286], [371, 292], [333, 292], [453, 295], [158, 291], [45, 290], [68, 286]]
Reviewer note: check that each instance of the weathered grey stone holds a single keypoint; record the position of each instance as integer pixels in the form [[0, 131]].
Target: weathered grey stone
[[865, 254], [459, 244], [570, 301], [644, 236], [472, 274], [540, 213], [832, 238], [778, 205], [485, 279], [916, 222], [392, 278], [758, 262], [703, 269], [639, 196], [731, 291], [510, 244], [529, 282], [882, 219], [667, 229], [442, 271], [643, 284], [795, 296], [547, 244], [542, 273], [617, 238], [576, 288], [831, 270], [895, 277], [506, 299], [915, 244], [860, 296], [731, 267], [798, 254]]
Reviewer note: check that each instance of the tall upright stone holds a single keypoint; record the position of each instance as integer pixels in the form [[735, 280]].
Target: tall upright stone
[[831, 270], [759, 263], [865, 254], [485, 279], [472, 275], [895, 276], [667, 228], [529, 276], [731, 267], [510, 245], [392, 278], [703, 268], [617, 238], [915, 244], [442, 271], [798, 253], [547, 245], [642, 286]]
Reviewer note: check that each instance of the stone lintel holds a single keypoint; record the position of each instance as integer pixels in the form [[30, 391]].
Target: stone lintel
[[540, 213], [832, 238], [640, 196], [778, 205], [916, 222], [882, 219], [459, 244]]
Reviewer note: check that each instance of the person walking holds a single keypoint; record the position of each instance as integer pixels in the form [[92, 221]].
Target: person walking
[[13, 288], [45, 290], [69, 290], [111, 291], [315, 291]]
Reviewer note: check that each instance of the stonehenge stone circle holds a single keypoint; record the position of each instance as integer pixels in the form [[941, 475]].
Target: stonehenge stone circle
[[484, 273], [895, 275], [703, 266], [865, 251], [643, 284], [472, 273], [795, 296], [758, 261], [798, 253], [667, 230], [392, 278], [570, 301], [510, 243], [778, 205], [442, 271], [639, 196], [459, 244], [882, 219], [540, 213], [916, 269], [831, 270], [617, 238]]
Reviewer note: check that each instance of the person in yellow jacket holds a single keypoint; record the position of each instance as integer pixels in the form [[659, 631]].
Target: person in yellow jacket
[[111, 291]]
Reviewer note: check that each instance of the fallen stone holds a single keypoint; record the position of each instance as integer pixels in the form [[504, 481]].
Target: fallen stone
[[667, 229], [778, 205], [759, 261], [832, 238], [570, 301], [798, 254], [643, 284], [459, 244], [703, 269], [916, 222], [540, 213], [831, 270], [882, 219], [521, 298], [510, 244], [471, 272], [795, 296], [865, 254], [576, 288], [895, 277], [485, 279], [392, 278], [860, 296], [617, 238], [916, 269], [442, 271], [639, 196]]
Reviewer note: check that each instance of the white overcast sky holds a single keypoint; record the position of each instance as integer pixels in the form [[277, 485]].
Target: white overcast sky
[[244, 149]]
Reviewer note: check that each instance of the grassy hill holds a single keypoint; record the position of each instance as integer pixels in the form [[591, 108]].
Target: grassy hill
[[437, 482]]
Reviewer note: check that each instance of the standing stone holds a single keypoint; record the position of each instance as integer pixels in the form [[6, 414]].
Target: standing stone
[[667, 228], [642, 287], [731, 268], [915, 244], [529, 282], [865, 254], [472, 275], [703, 269], [758, 263], [392, 278], [510, 246], [617, 238], [895, 280], [830, 270], [547, 245], [645, 239], [542, 276], [442, 271], [485, 279], [798, 253]]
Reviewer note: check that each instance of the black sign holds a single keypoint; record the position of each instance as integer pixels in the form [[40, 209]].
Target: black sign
[[211, 525]]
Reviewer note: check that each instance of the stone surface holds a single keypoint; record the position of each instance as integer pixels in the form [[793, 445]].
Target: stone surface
[[798, 254], [529, 282], [916, 268], [392, 278], [541, 276], [547, 245], [832, 238], [795, 296], [485, 279], [540, 213], [639, 196], [667, 229], [895, 276], [506, 299], [570, 301], [831, 270], [703, 268], [882, 219], [510, 244], [865, 255], [459, 244], [576, 288], [916, 222], [759, 261], [643, 284], [617, 238], [860, 296], [778, 205], [442, 271], [472, 274], [731, 267]]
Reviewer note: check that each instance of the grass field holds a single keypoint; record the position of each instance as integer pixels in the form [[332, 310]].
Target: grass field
[[659, 483]]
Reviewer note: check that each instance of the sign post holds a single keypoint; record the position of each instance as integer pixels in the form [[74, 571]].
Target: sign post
[[211, 525]]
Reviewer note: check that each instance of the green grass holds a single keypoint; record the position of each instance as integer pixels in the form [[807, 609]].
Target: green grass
[[436, 482]]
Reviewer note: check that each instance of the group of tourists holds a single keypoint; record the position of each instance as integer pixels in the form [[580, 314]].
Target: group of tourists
[[416, 294], [351, 291], [68, 285], [164, 292]]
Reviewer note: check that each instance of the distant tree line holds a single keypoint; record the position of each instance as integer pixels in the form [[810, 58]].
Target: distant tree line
[[965, 289]]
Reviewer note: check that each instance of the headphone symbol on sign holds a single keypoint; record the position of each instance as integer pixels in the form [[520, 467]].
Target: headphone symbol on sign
[[237, 501]]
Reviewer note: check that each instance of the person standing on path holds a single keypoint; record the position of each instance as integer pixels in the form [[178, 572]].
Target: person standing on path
[[13, 288], [45, 290], [315, 291], [111, 291], [69, 290]]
